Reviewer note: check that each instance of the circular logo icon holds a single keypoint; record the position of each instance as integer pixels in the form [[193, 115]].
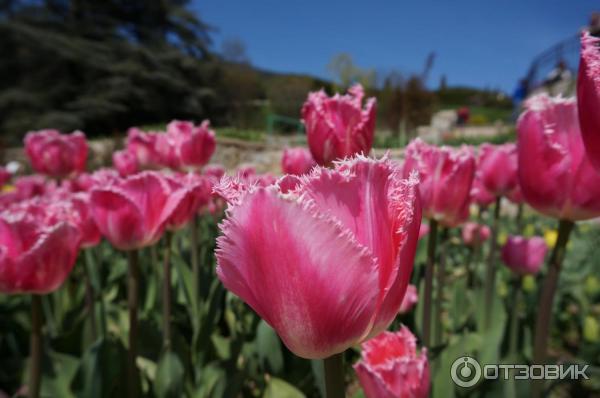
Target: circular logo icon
[[465, 372]]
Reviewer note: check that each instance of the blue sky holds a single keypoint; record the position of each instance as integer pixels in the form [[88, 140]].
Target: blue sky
[[477, 43]]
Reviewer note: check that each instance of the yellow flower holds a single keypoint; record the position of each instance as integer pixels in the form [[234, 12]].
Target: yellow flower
[[592, 285], [528, 283], [550, 236], [529, 230], [591, 329], [8, 188], [502, 237]]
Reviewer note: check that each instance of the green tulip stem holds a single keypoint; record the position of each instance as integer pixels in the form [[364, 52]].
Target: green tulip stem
[[194, 254], [35, 365], [441, 281], [490, 275], [544, 314], [90, 297], [514, 316], [431, 243], [334, 376], [133, 279], [519, 219], [167, 292]]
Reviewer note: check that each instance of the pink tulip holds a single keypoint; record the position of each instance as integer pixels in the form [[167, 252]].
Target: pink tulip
[[390, 366], [588, 96], [411, 297], [55, 154], [446, 176], [132, 213], [188, 193], [423, 230], [297, 161], [32, 185], [556, 177], [35, 258], [479, 193], [474, 234], [144, 147], [338, 127], [76, 210], [125, 162], [167, 151], [214, 171], [497, 165], [194, 144], [281, 252], [524, 255]]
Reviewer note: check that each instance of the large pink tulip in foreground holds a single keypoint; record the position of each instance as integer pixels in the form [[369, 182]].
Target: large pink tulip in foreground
[[446, 175], [588, 96], [390, 366], [325, 259], [54, 154], [555, 175], [338, 127]]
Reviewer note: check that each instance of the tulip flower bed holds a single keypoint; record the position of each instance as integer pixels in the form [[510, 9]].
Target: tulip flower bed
[[346, 276]]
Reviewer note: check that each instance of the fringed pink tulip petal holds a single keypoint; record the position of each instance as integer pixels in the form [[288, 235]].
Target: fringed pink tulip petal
[[299, 270], [555, 175], [382, 211], [588, 96], [283, 245]]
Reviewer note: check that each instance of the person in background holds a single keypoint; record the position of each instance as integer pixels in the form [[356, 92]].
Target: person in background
[[462, 116], [519, 96]]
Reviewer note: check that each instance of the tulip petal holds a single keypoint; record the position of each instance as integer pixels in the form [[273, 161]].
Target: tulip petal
[[118, 218], [45, 265], [588, 96], [299, 270]]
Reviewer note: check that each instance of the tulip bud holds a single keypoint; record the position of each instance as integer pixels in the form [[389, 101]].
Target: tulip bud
[[390, 366], [524, 255]]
